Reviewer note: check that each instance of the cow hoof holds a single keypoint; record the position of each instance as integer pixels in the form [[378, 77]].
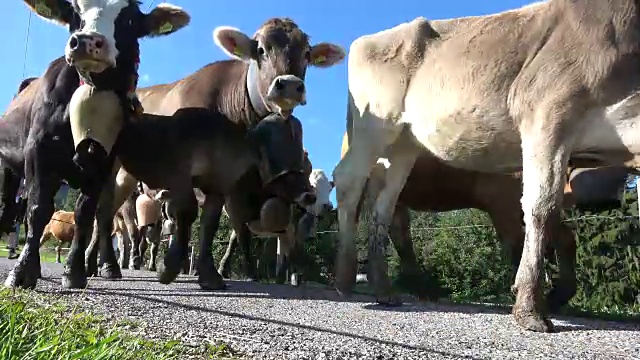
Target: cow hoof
[[211, 283], [280, 279], [110, 272], [167, 276], [20, 279], [152, 268], [73, 280], [296, 279], [389, 300], [533, 322]]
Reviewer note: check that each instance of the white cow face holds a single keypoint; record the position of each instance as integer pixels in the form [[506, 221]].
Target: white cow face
[[322, 187], [102, 31]]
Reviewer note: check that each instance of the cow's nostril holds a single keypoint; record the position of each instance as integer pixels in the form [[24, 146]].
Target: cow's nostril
[[99, 44], [73, 43], [279, 85], [300, 88]]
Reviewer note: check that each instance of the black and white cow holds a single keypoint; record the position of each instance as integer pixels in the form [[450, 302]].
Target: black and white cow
[[35, 134]]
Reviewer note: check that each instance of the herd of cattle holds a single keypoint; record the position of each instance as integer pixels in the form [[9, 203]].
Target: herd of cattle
[[520, 113]]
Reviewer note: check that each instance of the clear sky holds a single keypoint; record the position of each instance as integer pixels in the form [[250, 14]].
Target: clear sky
[[170, 58]]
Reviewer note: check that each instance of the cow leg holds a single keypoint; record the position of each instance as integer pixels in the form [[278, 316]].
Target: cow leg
[[59, 253], [244, 242], [208, 276], [282, 260], [142, 247], [151, 237], [10, 188], [184, 212], [109, 267], [411, 275], [224, 267], [543, 180], [124, 186], [401, 159], [350, 176], [565, 287], [42, 186]]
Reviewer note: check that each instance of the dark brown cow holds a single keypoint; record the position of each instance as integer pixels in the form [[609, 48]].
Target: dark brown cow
[[245, 93], [435, 186]]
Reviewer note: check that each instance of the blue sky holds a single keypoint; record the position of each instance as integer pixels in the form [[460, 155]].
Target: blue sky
[[173, 57]]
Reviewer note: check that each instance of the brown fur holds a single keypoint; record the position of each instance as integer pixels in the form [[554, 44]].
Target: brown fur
[[62, 228]]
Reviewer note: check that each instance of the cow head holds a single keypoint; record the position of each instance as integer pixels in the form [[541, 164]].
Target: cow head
[[277, 143], [105, 33], [278, 56], [322, 187]]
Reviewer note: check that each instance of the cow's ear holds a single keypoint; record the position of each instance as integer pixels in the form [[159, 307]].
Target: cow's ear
[[235, 43], [332, 184], [326, 55], [57, 11], [165, 19]]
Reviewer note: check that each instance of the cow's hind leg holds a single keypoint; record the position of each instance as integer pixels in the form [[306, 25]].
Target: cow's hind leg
[[565, 287], [543, 168], [208, 276], [42, 186], [244, 243], [184, 208], [412, 278], [152, 238], [350, 176], [109, 267]]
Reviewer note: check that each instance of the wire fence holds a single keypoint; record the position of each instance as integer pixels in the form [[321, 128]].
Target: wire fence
[[430, 228]]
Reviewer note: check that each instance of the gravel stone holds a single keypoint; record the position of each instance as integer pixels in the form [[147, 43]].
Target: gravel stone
[[268, 321]]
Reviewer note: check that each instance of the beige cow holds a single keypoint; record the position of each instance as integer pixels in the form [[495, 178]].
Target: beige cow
[[529, 89]]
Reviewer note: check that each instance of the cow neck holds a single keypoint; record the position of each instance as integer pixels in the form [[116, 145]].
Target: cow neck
[[123, 80], [257, 102]]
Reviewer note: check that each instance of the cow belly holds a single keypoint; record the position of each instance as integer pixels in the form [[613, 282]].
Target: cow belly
[[616, 129], [469, 139]]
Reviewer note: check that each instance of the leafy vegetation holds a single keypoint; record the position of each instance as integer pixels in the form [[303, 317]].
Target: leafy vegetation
[[34, 327]]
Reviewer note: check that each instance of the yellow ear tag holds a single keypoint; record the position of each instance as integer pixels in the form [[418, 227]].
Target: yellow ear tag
[[42, 9], [319, 59], [237, 52], [165, 28]]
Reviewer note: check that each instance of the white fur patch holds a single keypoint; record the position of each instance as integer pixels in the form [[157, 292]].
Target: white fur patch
[[99, 17], [322, 186]]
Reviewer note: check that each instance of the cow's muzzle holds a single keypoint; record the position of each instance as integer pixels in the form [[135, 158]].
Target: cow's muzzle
[[88, 52], [286, 92]]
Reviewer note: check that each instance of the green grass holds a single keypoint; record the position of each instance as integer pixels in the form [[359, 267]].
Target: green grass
[[33, 326], [47, 254]]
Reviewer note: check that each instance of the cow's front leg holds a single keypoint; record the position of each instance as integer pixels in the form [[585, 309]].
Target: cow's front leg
[[183, 207], [208, 276], [543, 167], [350, 177], [401, 159], [41, 186]]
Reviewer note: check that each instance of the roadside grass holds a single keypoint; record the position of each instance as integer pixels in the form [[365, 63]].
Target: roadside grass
[[35, 326]]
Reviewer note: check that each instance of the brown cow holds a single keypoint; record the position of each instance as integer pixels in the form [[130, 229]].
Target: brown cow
[[525, 89], [436, 186], [62, 228], [245, 93]]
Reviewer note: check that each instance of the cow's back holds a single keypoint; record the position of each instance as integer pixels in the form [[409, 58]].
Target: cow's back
[[211, 87]]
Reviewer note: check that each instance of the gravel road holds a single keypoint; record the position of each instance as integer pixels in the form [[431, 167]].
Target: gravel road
[[281, 322]]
